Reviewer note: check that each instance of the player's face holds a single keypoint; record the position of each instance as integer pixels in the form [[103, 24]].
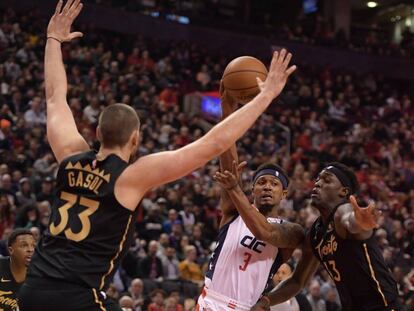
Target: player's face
[[267, 192], [22, 249], [328, 190]]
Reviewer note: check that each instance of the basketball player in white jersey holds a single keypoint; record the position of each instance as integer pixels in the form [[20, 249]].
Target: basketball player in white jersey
[[247, 255]]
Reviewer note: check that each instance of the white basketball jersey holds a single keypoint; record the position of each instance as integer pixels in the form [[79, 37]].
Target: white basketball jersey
[[241, 266]]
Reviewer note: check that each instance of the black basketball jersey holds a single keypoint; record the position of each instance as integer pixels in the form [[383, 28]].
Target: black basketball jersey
[[89, 230], [361, 276], [9, 288]]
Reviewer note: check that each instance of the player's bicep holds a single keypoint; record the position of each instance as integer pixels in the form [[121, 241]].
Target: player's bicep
[[62, 133]]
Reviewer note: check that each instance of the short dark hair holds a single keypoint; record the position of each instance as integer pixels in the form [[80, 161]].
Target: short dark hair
[[349, 173], [116, 124], [16, 233], [271, 166]]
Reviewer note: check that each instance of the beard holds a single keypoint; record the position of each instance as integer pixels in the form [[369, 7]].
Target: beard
[[265, 208]]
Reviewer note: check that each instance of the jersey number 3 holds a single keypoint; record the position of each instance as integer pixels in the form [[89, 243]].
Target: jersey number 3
[[71, 200], [247, 257]]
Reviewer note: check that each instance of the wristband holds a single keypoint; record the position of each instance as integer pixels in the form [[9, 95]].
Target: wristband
[[50, 37]]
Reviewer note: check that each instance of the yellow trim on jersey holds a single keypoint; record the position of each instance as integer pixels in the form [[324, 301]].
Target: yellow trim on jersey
[[98, 302], [373, 275], [121, 246]]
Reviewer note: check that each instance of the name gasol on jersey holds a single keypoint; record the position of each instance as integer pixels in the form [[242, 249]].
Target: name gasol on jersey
[[85, 177], [252, 243]]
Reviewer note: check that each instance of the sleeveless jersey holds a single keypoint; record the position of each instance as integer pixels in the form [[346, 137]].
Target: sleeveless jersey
[[89, 230], [9, 288], [242, 267], [361, 276]]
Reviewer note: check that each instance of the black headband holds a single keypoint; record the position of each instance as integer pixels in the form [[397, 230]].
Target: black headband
[[273, 172], [343, 178]]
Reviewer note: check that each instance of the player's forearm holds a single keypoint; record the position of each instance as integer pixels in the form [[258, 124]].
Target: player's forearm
[[230, 155], [255, 221], [55, 74], [224, 134]]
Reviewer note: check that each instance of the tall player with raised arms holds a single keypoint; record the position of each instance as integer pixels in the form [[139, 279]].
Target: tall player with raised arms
[[97, 193]]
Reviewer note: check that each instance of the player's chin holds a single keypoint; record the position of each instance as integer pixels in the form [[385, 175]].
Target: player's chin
[[314, 201], [265, 207]]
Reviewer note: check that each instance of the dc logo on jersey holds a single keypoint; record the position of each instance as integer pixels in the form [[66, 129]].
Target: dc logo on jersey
[[252, 243]]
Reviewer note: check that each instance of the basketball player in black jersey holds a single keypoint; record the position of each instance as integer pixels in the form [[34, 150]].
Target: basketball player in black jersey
[[13, 269], [93, 213], [342, 240]]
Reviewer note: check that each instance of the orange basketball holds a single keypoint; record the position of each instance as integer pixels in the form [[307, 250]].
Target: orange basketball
[[239, 78]]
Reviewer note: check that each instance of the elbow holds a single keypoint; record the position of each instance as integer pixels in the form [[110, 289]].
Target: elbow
[[300, 234]]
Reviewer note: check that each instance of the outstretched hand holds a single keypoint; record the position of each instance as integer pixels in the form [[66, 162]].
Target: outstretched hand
[[278, 74], [365, 217], [230, 180], [61, 22]]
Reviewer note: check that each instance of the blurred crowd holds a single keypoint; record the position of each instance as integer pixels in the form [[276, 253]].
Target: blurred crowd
[[366, 122], [311, 28]]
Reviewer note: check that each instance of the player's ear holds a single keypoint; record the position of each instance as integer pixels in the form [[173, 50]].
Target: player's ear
[[99, 134], [344, 192], [135, 138], [10, 250], [284, 194]]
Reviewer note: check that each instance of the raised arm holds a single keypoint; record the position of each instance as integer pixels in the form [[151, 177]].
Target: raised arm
[[62, 132], [228, 106], [352, 219], [161, 168], [305, 269], [284, 235]]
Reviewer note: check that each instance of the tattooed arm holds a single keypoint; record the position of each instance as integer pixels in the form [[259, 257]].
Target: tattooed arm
[[285, 235]]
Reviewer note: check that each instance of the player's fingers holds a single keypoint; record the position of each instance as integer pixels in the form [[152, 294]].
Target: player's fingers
[[74, 5], [75, 34], [371, 205], [291, 70], [282, 56], [287, 60], [67, 6], [354, 203], [241, 166], [58, 7], [76, 11], [273, 63]]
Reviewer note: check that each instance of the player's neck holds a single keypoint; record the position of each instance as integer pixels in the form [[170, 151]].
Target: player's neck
[[272, 213], [121, 152], [326, 211], [18, 271]]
